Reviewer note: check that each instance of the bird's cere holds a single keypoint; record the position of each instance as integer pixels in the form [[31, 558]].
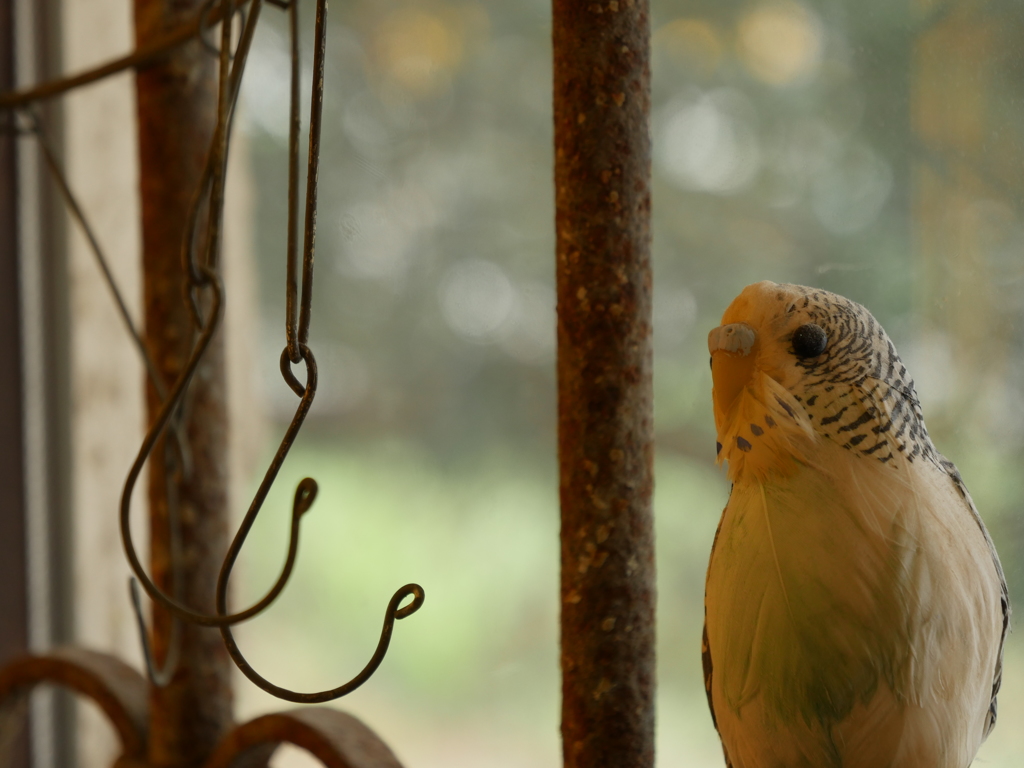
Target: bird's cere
[[735, 337]]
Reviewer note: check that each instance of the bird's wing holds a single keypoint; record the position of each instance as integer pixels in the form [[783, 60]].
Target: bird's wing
[[705, 657], [1004, 596], [705, 654]]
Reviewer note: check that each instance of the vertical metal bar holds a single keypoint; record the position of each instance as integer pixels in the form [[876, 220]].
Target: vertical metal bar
[[177, 107], [316, 111], [45, 404], [14, 625], [294, 125], [602, 194]]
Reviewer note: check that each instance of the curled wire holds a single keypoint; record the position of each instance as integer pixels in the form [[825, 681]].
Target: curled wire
[[203, 275], [394, 612]]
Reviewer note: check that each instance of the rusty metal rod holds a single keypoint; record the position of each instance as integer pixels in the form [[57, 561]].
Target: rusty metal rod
[[177, 111], [605, 436]]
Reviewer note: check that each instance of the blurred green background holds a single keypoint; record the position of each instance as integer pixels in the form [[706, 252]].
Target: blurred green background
[[872, 148]]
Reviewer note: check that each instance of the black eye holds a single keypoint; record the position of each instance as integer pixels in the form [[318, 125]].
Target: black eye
[[809, 340]]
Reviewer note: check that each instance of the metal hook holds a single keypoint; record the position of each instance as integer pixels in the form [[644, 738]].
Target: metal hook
[[205, 275], [392, 614], [156, 429], [202, 273], [395, 610]]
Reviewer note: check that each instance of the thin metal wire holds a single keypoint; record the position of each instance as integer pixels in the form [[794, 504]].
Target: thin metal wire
[[146, 55], [316, 111], [225, 108], [35, 128], [294, 126], [189, 258], [203, 275]]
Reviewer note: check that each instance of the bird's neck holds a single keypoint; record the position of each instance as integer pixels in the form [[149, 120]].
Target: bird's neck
[[765, 434]]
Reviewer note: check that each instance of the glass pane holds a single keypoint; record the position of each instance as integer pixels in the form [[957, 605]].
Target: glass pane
[[868, 148]]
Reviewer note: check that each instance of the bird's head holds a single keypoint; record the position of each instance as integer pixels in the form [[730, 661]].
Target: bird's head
[[793, 365]]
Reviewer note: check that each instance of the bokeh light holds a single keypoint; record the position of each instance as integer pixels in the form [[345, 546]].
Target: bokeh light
[[780, 42]]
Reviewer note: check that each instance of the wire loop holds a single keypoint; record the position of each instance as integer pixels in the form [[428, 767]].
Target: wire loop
[[286, 371]]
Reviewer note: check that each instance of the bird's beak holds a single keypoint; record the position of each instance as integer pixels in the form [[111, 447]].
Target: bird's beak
[[732, 362]]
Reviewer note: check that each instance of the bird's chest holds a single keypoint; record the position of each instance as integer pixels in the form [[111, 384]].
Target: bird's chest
[[806, 575], [840, 602]]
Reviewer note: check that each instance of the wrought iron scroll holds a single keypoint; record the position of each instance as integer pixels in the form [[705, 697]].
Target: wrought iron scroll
[[205, 295]]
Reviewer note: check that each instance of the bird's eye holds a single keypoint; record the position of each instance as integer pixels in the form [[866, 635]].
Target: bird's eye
[[809, 340]]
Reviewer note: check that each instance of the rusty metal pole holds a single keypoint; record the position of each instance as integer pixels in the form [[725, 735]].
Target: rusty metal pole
[[603, 204], [177, 104]]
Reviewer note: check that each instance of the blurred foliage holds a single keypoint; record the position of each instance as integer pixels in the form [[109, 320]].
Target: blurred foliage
[[870, 148]]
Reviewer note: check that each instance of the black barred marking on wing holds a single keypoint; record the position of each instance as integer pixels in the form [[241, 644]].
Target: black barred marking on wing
[[861, 420], [705, 658], [834, 417]]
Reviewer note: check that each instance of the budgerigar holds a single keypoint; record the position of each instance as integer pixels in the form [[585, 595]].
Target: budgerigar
[[855, 607]]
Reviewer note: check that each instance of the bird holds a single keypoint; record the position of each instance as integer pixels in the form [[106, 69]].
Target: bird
[[855, 606]]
